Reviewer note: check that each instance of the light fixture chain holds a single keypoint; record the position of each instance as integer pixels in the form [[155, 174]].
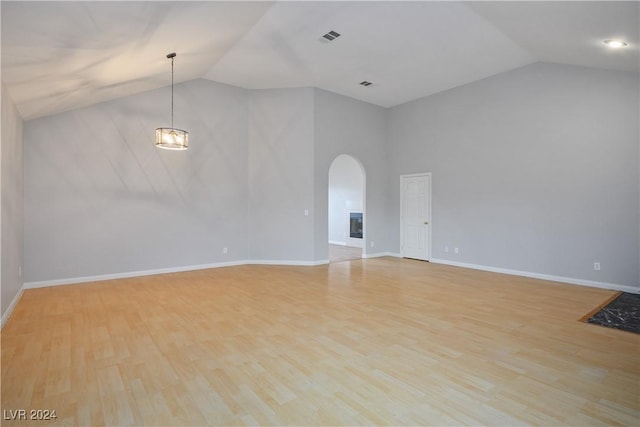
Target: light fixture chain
[[171, 138], [172, 93]]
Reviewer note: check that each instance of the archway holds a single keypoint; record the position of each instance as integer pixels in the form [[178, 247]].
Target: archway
[[346, 214]]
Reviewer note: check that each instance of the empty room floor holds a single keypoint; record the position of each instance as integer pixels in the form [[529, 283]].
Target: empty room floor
[[380, 341], [339, 253]]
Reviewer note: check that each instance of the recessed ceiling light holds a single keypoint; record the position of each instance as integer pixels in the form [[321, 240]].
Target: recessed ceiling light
[[615, 43]]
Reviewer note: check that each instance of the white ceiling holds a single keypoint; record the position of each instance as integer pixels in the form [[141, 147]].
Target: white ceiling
[[57, 56]]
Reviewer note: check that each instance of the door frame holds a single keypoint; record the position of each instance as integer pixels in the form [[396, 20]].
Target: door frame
[[363, 171], [413, 175]]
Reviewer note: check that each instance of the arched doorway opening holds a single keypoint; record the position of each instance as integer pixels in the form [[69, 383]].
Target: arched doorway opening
[[346, 214]]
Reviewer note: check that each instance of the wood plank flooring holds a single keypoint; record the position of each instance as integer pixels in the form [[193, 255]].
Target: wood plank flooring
[[369, 342], [339, 253]]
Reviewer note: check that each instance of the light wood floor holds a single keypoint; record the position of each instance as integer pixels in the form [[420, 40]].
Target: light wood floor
[[339, 253], [370, 342]]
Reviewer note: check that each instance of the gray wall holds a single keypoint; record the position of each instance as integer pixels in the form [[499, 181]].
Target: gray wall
[[533, 170], [101, 199], [12, 215], [280, 175], [346, 126]]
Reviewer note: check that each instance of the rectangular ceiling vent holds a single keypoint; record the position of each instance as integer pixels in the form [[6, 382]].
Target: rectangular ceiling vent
[[330, 36], [365, 83]]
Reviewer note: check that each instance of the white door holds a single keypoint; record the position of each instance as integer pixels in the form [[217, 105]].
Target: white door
[[415, 216]]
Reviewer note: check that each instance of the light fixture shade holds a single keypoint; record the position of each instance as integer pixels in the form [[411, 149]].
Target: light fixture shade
[[172, 139], [615, 44]]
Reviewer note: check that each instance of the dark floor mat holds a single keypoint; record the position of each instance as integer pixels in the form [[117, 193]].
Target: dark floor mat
[[621, 313]]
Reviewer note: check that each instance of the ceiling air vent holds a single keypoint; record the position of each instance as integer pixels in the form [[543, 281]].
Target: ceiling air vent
[[365, 83], [330, 36]]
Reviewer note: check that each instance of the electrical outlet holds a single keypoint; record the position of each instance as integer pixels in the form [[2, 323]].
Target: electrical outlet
[[20, 271], [306, 212], [596, 266], [372, 244], [456, 250], [446, 248], [225, 250]]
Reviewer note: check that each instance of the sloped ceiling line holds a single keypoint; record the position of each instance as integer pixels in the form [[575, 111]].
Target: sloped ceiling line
[[58, 56]]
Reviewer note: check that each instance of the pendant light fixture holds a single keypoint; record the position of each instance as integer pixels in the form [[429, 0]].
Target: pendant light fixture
[[172, 138]]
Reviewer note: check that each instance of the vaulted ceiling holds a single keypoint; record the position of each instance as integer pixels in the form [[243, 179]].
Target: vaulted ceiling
[[58, 56]]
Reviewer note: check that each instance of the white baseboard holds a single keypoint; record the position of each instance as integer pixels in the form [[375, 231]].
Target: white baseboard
[[285, 262], [335, 242], [381, 254], [552, 278], [69, 281], [7, 313], [98, 278], [101, 277]]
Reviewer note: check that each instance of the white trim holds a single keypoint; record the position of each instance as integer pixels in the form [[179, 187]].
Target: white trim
[[101, 277], [14, 302], [70, 281], [570, 280], [381, 254], [413, 175], [98, 278], [285, 262], [334, 242]]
